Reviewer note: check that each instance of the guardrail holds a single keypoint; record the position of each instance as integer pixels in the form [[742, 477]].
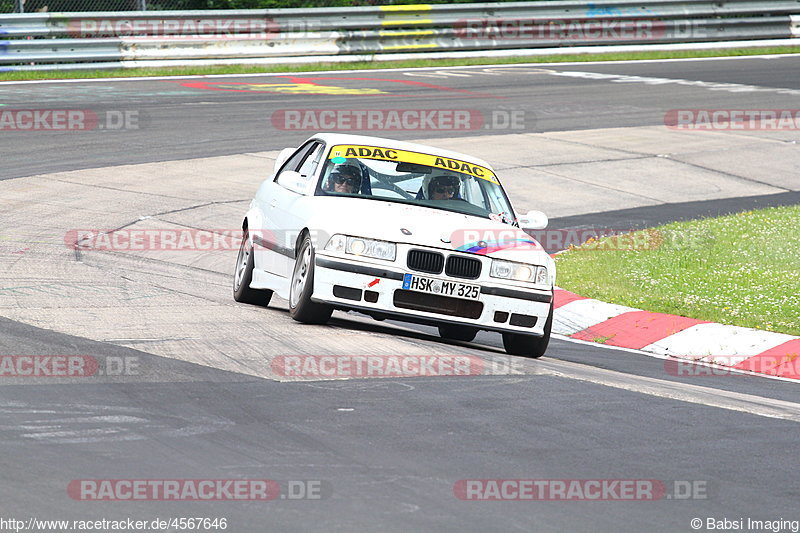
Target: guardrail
[[35, 41]]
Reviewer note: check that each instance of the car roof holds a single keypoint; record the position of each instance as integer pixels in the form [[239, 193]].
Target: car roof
[[345, 138]]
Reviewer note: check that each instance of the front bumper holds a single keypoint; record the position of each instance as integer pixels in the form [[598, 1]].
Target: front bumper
[[377, 289]]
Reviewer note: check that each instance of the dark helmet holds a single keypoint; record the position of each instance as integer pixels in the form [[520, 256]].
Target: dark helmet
[[444, 180], [343, 173]]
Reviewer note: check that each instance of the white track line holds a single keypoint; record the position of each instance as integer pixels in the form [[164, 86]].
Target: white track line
[[318, 72]]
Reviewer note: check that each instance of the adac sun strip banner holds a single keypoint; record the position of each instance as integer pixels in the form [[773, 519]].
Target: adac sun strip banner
[[391, 154]]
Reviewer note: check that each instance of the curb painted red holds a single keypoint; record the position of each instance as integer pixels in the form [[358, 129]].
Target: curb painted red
[[746, 349], [637, 329], [563, 297], [783, 360]]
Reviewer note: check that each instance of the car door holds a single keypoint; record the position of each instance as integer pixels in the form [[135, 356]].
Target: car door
[[285, 219]]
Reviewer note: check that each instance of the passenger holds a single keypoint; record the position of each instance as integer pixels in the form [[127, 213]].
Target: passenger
[[443, 187]]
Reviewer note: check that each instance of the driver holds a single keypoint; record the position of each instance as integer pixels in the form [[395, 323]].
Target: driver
[[443, 187], [344, 179]]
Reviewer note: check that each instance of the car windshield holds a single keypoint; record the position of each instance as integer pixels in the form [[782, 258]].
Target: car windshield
[[438, 182]]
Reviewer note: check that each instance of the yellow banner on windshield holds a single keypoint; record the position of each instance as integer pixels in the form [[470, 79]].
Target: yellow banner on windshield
[[391, 154]]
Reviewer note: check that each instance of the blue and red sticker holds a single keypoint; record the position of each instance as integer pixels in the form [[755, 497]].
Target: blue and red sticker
[[488, 247]]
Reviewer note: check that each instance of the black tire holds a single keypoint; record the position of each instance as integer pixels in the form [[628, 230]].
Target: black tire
[[528, 345], [457, 332], [243, 275], [301, 307]]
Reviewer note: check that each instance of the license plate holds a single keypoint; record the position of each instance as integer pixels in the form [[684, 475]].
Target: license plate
[[412, 282]]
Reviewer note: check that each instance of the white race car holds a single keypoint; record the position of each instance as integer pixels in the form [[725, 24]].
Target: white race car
[[396, 230]]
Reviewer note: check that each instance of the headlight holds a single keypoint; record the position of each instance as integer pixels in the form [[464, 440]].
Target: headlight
[[369, 248], [363, 247], [519, 272]]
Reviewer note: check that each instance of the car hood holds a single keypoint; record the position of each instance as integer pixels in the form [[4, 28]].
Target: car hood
[[425, 226]]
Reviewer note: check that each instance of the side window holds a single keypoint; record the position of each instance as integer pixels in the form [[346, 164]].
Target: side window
[[298, 157], [309, 166], [496, 202], [303, 161], [472, 192]]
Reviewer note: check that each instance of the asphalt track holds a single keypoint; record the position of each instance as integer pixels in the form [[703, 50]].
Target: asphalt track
[[178, 122], [387, 452]]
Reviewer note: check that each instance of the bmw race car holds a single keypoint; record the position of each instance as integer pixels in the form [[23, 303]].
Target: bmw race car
[[396, 230]]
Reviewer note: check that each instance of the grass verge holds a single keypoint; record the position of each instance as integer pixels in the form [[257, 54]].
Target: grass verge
[[741, 269], [377, 65]]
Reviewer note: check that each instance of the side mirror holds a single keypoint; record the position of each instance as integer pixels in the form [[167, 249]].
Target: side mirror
[[293, 181], [282, 157], [533, 220]]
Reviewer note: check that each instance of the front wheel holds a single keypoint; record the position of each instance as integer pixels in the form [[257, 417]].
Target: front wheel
[[528, 345], [457, 333], [243, 275], [301, 307]]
